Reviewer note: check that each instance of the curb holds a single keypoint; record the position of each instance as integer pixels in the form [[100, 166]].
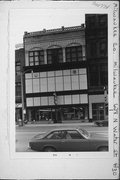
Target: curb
[[58, 124]]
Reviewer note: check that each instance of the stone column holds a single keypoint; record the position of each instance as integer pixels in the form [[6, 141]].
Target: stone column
[[64, 57], [83, 52], [45, 56]]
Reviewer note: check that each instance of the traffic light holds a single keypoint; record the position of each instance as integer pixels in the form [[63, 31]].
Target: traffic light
[[55, 98]]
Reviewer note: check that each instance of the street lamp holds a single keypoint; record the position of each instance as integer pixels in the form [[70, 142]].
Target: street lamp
[[55, 102], [105, 101], [22, 94]]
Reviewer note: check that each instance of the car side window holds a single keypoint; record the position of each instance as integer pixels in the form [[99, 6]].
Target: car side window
[[55, 135], [75, 135]]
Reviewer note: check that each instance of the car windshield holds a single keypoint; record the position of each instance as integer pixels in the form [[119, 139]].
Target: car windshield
[[84, 133], [39, 136]]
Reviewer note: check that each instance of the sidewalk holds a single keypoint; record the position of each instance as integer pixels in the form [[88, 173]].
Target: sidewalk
[[47, 123]]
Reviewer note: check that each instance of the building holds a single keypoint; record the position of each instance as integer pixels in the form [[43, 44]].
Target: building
[[96, 34], [19, 63], [56, 85]]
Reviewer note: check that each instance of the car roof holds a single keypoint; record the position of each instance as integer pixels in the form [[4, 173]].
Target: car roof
[[63, 129]]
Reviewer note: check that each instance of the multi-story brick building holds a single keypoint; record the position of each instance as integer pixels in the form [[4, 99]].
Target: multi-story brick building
[[19, 63], [56, 74], [96, 34]]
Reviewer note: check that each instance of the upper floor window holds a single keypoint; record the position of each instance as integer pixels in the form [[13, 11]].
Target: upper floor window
[[73, 53], [18, 68], [103, 20], [36, 58], [54, 56]]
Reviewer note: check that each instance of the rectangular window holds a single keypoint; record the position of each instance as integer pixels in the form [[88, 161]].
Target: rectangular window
[[29, 102], [44, 101], [36, 85], [51, 84], [94, 75], [43, 84], [75, 99], [83, 98], [67, 83], [54, 56], [103, 75], [60, 99], [73, 53], [67, 99], [28, 86], [51, 100], [28, 75], [18, 89], [59, 83], [83, 81], [37, 101], [103, 48], [75, 82], [18, 68]]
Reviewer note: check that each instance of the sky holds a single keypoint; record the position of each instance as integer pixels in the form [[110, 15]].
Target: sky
[[30, 20]]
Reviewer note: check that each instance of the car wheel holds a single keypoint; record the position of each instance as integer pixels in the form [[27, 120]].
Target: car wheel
[[103, 148], [49, 149]]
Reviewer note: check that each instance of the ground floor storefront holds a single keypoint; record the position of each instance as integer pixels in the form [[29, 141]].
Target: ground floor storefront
[[58, 114], [94, 109]]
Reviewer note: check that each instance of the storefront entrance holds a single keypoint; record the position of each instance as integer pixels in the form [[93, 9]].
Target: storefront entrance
[[98, 111]]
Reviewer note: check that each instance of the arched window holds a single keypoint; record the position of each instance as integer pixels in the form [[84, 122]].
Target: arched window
[[54, 55]]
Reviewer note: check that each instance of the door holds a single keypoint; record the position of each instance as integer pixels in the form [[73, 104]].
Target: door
[[98, 111], [74, 141]]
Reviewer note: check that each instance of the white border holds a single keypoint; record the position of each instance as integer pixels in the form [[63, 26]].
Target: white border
[[76, 165]]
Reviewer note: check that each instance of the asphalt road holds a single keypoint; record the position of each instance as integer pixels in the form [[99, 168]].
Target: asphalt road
[[25, 133]]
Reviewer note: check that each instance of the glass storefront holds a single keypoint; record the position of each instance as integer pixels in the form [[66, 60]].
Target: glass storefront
[[59, 113], [99, 111], [62, 80]]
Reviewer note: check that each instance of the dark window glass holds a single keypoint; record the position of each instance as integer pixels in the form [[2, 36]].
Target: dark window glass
[[103, 48], [102, 20], [74, 135], [94, 76], [18, 68], [103, 75], [73, 53], [54, 56], [98, 75], [18, 89]]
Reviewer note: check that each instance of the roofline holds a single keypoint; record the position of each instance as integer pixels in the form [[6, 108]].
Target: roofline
[[54, 31]]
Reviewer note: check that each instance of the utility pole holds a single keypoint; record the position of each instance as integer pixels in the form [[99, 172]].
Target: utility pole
[[22, 94], [105, 101], [55, 102]]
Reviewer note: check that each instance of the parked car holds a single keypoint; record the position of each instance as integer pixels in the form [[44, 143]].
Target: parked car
[[68, 139], [101, 123]]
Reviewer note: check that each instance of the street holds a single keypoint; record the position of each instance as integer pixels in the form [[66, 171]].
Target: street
[[25, 133]]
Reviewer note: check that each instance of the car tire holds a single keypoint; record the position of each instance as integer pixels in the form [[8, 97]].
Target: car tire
[[49, 149], [105, 148]]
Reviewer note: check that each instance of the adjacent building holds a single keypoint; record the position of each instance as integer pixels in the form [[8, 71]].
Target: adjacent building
[[96, 35], [19, 64]]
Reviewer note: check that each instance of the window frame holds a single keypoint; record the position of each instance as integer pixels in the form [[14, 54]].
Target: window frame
[[32, 57], [53, 55], [74, 53]]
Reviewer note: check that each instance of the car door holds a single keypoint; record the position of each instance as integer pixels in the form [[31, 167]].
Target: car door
[[75, 142], [54, 139]]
